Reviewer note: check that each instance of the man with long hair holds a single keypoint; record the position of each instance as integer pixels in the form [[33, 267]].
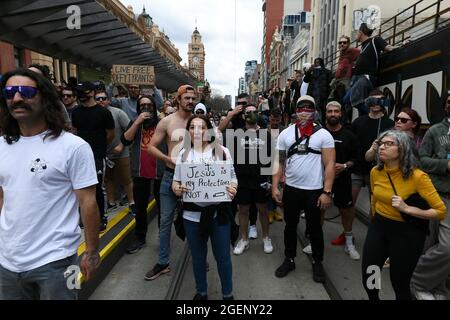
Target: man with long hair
[[46, 174]]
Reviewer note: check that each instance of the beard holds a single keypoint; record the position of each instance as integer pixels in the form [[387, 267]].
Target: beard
[[333, 120]]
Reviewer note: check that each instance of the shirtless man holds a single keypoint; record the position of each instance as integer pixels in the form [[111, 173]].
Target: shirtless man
[[170, 130]]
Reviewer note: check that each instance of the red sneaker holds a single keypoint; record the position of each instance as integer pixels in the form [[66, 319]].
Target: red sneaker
[[339, 241]]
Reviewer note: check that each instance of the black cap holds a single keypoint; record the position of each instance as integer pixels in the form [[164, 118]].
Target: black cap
[[85, 86]]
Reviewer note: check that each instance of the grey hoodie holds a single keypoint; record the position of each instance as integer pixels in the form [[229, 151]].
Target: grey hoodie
[[434, 155]]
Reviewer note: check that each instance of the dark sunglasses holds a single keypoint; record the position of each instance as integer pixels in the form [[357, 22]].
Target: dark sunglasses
[[242, 103], [26, 92], [101, 98], [343, 42], [199, 112], [402, 120]]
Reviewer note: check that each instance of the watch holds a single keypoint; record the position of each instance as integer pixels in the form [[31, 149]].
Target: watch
[[328, 193]]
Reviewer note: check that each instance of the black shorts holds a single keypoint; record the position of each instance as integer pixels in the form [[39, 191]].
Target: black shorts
[[246, 196], [342, 189]]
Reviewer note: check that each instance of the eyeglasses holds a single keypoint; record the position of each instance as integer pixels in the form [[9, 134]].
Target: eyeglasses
[[26, 92], [242, 103], [250, 112], [343, 42], [101, 98], [67, 95], [146, 105], [387, 144], [402, 120]]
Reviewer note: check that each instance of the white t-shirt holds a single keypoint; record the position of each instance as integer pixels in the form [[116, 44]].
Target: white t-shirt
[[305, 171], [201, 157], [39, 218]]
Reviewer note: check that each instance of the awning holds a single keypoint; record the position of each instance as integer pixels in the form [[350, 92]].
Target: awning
[[102, 40]]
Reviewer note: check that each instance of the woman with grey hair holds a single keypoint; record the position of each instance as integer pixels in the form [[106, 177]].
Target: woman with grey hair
[[397, 229]]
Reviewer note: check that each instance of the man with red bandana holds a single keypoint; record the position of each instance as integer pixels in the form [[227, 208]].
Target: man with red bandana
[[310, 171]]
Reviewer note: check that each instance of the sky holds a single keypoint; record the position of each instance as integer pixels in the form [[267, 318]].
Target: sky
[[226, 50]]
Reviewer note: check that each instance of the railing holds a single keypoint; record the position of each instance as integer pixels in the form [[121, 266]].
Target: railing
[[397, 31]]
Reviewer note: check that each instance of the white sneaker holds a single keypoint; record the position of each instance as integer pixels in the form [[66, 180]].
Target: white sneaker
[[351, 251], [241, 246], [440, 296], [268, 248], [252, 233], [307, 249], [424, 295]]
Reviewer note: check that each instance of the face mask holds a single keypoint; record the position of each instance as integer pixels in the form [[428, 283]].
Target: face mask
[[251, 118], [305, 116]]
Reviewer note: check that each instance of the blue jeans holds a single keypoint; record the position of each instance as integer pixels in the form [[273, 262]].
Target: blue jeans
[[359, 91], [168, 204], [220, 241], [43, 283]]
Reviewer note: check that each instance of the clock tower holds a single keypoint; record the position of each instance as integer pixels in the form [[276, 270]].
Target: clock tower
[[196, 55]]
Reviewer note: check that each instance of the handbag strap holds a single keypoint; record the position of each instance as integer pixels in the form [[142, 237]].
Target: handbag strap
[[392, 184]]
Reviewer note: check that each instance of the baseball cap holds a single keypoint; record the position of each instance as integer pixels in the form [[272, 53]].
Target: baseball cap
[[305, 101], [200, 106], [85, 86], [183, 89]]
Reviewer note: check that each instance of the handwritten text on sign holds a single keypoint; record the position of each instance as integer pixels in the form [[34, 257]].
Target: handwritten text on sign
[[206, 182], [131, 74]]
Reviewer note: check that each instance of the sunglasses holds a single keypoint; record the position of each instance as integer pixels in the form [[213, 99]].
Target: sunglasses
[[242, 103], [402, 120], [343, 42], [146, 105], [26, 92], [101, 98], [199, 112]]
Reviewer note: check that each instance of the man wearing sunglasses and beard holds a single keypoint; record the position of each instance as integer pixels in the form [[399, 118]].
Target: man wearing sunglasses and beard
[[46, 174], [341, 82]]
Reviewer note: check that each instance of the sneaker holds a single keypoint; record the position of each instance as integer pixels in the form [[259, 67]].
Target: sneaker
[[103, 224], [133, 209], [268, 248], [318, 272], [424, 295], [351, 251], [278, 216], [135, 246], [287, 266], [339, 241], [302, 215], [111, 207], [241, 246], [157, 270], [271, 216], [252, 233], [440, 296], [307, 249], [198, 296], [123, 201]]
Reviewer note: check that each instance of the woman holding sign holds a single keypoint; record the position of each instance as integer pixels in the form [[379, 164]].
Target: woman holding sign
[[203, 162]]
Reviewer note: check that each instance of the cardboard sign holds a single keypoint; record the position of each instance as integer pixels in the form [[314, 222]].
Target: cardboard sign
[[206, 182], [132, 74]]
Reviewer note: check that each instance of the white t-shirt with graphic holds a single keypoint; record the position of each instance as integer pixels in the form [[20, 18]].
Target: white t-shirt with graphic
[[305, 171], [201, 157], [39, 218]]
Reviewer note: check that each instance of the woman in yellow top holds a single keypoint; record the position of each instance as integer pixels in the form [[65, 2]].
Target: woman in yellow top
[[389, 235]]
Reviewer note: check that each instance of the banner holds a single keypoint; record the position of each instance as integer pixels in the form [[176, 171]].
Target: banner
[[132, 74], [206, 182]]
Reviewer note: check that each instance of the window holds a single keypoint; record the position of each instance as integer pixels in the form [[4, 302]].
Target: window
[[17, 57], [344, 14]]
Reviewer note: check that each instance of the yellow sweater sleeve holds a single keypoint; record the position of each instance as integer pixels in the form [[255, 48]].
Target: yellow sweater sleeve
[[427, 191]]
